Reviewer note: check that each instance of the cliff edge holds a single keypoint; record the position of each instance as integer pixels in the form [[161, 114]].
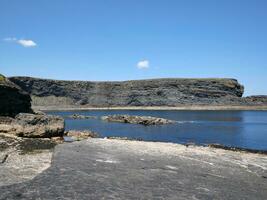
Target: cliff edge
[[152, 92], [13, 99]]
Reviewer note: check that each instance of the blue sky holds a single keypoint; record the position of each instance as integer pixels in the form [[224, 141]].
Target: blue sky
[[135, 39]]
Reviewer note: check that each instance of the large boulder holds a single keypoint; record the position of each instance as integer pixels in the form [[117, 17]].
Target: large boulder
[[13, 99], [33, 125]]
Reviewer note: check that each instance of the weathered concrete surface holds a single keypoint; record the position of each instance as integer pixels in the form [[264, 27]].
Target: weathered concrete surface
[[22, 159], [19, 168], [115, 169]]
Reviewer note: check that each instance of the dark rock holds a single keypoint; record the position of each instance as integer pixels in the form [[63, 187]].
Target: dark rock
[[13, 99], [77, 116], [4, 159], [144, 120], [82, 102], [117, 138], [123, 138], [31, 145], [154, 92], [3, 143]]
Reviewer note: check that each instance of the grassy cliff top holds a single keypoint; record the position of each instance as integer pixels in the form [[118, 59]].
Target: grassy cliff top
[[2, 78], [6, 83]]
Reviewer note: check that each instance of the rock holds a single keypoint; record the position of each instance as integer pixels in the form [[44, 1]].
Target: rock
[[123, 138], [4, 159], [34, 126], [5, 143], [38, 112], [154, 92], [8, 126], [13, 99], [240, 149], [6, 120], [57, 140], [257, 99], [40, 125], [80, 135], [77, 116], [117, 138], [25, 145], [116, 169], [144, 120]]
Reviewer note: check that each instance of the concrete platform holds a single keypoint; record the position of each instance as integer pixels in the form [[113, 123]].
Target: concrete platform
[[117, 169]]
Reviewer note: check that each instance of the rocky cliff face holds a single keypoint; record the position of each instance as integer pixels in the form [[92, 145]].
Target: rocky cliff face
[[258, 99], [154, 92], [13, 100]]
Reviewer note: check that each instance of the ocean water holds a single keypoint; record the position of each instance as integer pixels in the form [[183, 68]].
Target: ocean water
[[246, 129]]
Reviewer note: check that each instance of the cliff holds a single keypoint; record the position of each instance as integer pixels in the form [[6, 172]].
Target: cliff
[[153, 92], [13, 100], [257, 99]]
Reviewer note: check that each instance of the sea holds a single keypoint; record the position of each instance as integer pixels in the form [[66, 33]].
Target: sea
[[242, 129]]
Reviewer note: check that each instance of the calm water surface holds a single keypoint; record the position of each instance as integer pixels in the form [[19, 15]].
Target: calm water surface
[[247, 129]]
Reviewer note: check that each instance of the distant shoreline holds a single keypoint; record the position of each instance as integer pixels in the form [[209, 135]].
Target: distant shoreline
[[182, 108]]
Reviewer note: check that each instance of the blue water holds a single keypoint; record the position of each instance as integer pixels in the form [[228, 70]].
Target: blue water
[[246, 129]]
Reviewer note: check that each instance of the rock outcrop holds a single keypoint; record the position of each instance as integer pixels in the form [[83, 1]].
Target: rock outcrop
[[32, 126], [80, 135], [144, 120], [78, 116], [258, 100], [154, 92], [13, 99]]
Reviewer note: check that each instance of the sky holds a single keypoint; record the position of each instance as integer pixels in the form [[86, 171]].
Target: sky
[[101, 40]]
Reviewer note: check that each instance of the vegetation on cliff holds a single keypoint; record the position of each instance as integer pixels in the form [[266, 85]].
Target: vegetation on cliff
[[2, 78]]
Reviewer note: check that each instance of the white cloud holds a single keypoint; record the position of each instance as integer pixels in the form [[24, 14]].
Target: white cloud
[[143, 64], [25, 43]]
